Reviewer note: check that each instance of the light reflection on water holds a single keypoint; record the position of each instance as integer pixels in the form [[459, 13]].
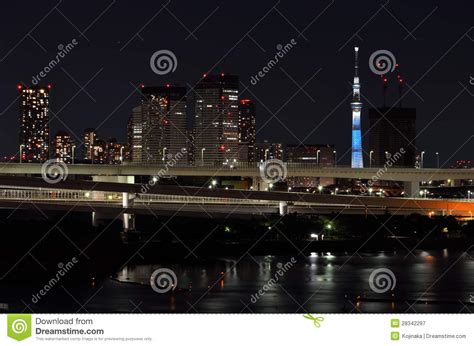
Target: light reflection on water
[[326, 282]]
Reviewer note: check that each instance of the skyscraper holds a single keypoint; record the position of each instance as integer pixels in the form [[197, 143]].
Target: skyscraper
[[34, 123], [99, 151], [356, 106], [63, 147], [392, 130], [216, 119], [247, 129], [89, 138], [158, 125]]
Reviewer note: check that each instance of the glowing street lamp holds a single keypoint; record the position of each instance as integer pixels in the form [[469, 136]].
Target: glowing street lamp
[[73, 153], [370, 158], [202, 156], [21, 153], [121, 154], [437, 159], [422, 155], [317, 157]]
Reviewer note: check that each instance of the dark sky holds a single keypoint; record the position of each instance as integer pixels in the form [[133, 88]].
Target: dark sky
[[430, 39]]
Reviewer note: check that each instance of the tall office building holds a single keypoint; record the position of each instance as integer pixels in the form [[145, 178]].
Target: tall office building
[[216, 119], [391, 131], [191, 149], [247, 130], [158, 125], [34, 123], [135, 135], [89, 138], [356, 106], [63, 147], [99, 152]]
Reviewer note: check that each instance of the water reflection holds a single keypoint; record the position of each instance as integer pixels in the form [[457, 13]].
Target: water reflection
[[426, 281]]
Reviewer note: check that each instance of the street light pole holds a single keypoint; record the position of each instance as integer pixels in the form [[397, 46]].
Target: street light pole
[[437, 159], [421, 163], [21, 146], [121, 154], [317, 157], [202, 156], [370, 158], [335, 157], [73, 153]]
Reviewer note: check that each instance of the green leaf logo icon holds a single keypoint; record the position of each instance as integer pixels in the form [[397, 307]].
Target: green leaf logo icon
[[19, 326]]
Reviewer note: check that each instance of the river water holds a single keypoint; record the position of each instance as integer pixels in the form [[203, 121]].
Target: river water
[[425, 281]]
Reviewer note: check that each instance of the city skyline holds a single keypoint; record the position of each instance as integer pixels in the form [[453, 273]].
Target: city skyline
[[124, 69]]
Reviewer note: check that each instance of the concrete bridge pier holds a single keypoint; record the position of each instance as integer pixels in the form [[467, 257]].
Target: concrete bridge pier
[[127, 200], [412, 188], [258, 184], [128, 219], [283, 208]]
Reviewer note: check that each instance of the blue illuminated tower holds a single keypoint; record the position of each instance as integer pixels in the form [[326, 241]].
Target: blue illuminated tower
[[356, 159]]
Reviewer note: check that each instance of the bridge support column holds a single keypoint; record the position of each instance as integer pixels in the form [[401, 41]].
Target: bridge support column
[[127, 200], [412, 188], [259, 185], [128, 219], [283, 208]]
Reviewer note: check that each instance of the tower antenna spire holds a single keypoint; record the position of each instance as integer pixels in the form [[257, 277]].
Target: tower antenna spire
[[356, 106], [356, 66]]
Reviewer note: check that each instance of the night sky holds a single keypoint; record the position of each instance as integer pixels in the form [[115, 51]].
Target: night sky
[[432, 41]]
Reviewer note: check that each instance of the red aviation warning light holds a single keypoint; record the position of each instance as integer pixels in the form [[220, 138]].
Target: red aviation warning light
[[222, 147], [19, 86]]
